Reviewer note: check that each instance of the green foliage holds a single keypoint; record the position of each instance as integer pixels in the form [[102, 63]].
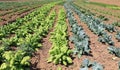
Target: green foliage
[[87, 63], [59, 68], [80, 39], [114, 7], [117, 36], [15, 60], [114, 50], [30, 43], [27, 38], [9, 41], [105, 38], [119, 65], [110, 28], [60, 53], [103, 18], [23, 25], [94, 24], [2, 49], [116, 24], [15, 5]]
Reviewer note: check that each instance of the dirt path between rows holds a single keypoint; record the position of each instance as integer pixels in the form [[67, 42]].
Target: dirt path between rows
[[9, 19], [39, 62], [112, 15], [116, 43], [99, 51], [113, 2]]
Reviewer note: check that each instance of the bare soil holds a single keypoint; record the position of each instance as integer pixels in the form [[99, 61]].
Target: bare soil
[[114, 2], [112, 15], [9, 11], [12, 0], [13, 16], [39, 60], [99, 51]]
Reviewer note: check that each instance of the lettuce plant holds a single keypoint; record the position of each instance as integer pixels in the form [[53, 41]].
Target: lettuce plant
[[15, 60], [60, 53]]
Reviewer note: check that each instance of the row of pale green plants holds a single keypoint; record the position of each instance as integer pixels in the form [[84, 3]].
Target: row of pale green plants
[[16, 51], [60, 52]]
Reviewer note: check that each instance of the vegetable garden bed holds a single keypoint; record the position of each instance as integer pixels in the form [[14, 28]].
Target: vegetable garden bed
[[59, 36]]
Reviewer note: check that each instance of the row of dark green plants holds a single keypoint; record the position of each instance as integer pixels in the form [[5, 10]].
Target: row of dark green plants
[[81, 41], [96, 25], [99, 28]]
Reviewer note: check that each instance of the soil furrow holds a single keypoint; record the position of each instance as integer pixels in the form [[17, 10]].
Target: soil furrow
[[39, 61], [14, 17], [99, 50]]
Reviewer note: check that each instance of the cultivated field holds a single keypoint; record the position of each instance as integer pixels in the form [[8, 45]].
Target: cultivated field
[[59, 35], [113, 2]]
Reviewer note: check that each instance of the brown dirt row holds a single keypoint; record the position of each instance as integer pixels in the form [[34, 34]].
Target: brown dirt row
[[112, 16], [9, 18], [113, 2], [10, 9], [99, 50], [5, 12], [12, 0], [7, 0], [116, 43], [39, 60], [112, 19]]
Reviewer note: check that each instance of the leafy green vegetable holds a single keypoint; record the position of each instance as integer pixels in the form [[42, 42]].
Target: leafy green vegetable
[[59, 68], [117, 36], [116, 23], [103, 18], [27, 38], [97, 66], [119, 65], [80, 39], [114, 50], [60, 53], [15, 60], [86, 64], [110, 28], [105, 38]]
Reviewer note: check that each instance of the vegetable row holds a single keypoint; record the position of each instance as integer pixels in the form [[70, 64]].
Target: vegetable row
[[96, 26], [79, 38], [59, 52], [81, 41], [11, 28], [16, 53]]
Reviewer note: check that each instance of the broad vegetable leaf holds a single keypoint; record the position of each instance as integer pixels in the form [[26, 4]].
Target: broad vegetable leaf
[[86, 64], [114, 50]]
